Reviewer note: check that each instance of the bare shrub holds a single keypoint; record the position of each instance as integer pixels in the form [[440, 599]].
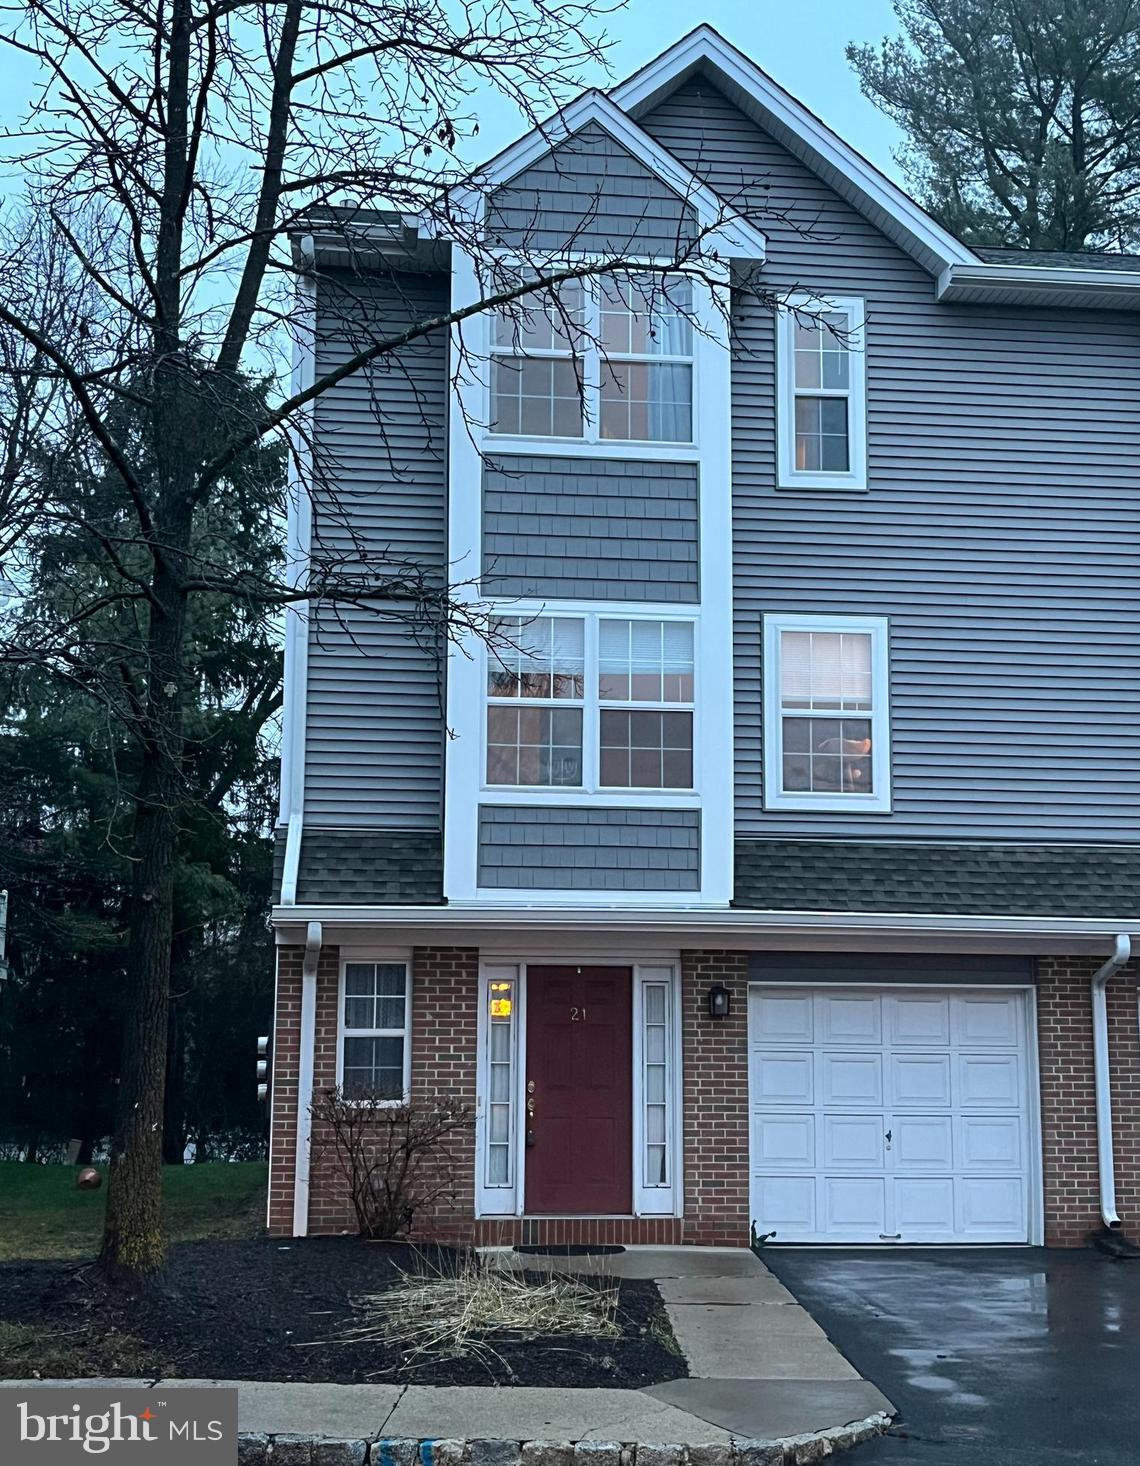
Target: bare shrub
[[395, 1160]]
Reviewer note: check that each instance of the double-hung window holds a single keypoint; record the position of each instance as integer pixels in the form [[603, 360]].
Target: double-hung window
[[821, 387], [374, 1059], [590, 702], [604, 359], [826, 715]]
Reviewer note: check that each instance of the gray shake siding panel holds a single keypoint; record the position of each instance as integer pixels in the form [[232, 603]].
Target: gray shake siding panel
[[1001, 532], [590, 193], [531, 848], [374, 736], [590, 529]]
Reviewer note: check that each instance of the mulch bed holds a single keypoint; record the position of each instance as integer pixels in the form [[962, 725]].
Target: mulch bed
[[250, 1309]]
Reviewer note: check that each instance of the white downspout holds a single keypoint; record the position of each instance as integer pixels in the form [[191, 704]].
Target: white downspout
[[1105, 1163], [305, 1061]]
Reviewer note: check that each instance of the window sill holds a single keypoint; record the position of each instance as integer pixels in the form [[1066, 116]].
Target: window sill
[[821, 486], [789, 804], [514, 446], [599, 799]]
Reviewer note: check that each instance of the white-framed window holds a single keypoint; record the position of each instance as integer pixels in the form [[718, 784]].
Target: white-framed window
[[657, 1110], [609, 360], [821, 393], [374, 1049], [826, 714], [591, 702]]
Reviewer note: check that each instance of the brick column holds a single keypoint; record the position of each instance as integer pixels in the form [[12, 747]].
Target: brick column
[[283, 1090], [1068, 1098], [715, 1101]]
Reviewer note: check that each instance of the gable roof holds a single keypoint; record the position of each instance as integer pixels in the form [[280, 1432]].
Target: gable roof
[[804, 135], [730, 235]]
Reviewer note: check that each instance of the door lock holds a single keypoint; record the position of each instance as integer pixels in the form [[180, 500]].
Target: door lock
[[888, 1137]]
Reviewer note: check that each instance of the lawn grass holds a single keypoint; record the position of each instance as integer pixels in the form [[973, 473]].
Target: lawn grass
[[42, 1215]]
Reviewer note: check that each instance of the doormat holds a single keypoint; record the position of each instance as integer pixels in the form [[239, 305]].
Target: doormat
[[568, 1249]]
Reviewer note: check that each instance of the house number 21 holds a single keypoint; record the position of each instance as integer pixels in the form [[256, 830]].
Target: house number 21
[[577, 1015]]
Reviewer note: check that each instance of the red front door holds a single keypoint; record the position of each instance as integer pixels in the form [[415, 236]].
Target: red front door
[[579, 1042]]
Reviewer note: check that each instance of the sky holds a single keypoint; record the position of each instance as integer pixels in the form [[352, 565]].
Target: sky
[[800, 43]]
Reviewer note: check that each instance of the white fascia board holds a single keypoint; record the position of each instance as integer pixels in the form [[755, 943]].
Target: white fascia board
[[299, 533], [704, 46], [759, 929], [1118, 288], [734, 237]]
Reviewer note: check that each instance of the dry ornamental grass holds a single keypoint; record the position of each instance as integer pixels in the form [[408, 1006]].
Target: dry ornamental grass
[[434, 1315]]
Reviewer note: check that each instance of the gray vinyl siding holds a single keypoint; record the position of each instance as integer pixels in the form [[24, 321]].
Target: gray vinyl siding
[[590, 529], [381, 469], [591, 194], [557, 849], [1000, 533], [374, 735]]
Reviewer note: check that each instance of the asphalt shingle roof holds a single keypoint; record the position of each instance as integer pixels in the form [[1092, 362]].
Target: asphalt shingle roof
[[942, 879], [367, 867], [1081, 259]]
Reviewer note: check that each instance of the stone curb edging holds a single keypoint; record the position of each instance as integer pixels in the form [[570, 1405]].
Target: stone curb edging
[[310, 1450]]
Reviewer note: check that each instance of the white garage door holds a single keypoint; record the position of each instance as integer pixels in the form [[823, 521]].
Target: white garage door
[[889, 1116]]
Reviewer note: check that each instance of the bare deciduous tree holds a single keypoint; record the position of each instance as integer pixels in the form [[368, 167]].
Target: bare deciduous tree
[[176, 152]]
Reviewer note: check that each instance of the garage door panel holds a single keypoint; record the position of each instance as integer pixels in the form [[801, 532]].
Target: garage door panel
[[989, 1142], [894, 1114], [851, 1079], [919, 1018], [988, 1081], [787, 1205], [850, 1018], [987, 1019], [992, 1209], [924, 1208], [784, 1141], [920, 1079], [783, 1078], [922, 1142], [854, 1142], [855, 1206], [784, 1018]]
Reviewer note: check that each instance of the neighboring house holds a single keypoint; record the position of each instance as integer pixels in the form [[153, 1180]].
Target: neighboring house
[[767, 885]]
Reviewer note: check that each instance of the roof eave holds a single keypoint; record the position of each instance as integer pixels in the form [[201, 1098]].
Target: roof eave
[[1040, 285]]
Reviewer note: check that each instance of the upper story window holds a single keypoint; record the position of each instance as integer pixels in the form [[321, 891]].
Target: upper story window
[[610, 359], [821, 392], [826, 728], [591, 703]]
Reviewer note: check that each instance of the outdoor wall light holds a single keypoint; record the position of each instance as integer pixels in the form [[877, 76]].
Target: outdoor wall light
[[720, 1001]]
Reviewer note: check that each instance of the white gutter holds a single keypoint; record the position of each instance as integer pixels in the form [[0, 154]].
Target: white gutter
[[1117, 288], [1105, 1161], [707, 921], [305, 1061]]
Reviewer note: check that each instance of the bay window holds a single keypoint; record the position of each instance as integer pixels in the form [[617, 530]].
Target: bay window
[[590, 702], [826, 732], [606, 359]]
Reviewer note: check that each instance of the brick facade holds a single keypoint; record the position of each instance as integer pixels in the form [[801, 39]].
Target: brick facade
[[1068, 1098], [715, 1115], [715, 1052]]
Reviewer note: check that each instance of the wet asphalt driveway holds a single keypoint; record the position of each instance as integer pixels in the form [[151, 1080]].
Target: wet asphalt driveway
[[991, 1357]]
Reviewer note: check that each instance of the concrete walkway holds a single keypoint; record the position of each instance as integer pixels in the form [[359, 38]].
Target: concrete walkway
[[760, 1367], [760, 1370]]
